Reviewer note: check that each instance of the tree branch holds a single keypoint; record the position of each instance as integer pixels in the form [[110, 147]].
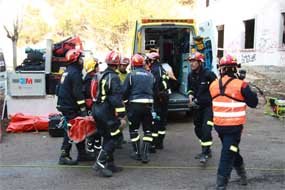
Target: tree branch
[[7, 31]]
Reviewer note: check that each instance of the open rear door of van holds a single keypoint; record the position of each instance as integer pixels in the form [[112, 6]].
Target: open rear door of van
[[207, 31], [137, 40]]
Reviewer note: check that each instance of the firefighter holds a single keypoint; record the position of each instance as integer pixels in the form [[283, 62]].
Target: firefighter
[[71, 103], [138, 91], [200, 99], [109, 113], [230, 97], [91, 67], [161, 97], [122, 72], [122, 69]]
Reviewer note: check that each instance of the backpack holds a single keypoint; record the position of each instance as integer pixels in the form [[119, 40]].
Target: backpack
[[164, 80], [95, 85], [163, 85]]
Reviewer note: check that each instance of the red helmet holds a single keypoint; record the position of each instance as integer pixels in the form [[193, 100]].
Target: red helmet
[[196, 56], [72, 55], [153, 55], [228, 60], [125, 61], [113, 58], [137, 60]]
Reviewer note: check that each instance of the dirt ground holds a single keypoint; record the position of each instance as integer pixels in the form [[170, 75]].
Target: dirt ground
[[29, 161]]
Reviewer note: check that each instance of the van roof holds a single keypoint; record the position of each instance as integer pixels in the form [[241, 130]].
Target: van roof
[[167, 22]]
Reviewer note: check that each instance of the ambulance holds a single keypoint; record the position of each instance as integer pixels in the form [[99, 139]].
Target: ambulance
[[174, 39]]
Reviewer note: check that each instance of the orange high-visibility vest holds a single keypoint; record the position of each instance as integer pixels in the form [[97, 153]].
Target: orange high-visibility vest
[[228, 103]]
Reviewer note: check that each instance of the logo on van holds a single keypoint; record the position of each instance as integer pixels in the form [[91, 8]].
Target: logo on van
[[25, 80]]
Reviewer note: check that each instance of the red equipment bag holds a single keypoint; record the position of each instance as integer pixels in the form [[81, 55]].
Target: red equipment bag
[[25, 123], [60, 48], [81, 127]]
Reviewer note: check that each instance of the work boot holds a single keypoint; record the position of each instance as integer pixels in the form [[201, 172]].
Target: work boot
[[114, 168], [90, 147], [152, 148], [136, 154], [205, 155], [65, 159], [98, 144], [145, 152], [222, 182], [242, 174], [101, 164], [82, 155], [159, 143]]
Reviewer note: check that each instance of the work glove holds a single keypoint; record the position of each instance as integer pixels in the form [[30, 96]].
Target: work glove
[[195, 104]]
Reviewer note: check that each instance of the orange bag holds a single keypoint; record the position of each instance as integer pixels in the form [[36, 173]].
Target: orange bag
[[81, 127], [25, 123]]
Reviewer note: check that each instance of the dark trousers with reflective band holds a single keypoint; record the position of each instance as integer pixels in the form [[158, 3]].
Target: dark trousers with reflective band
[[140, 113], [107, 125], [66, 144], [230, 156], [161, 109], [94, 138], [203, 118]]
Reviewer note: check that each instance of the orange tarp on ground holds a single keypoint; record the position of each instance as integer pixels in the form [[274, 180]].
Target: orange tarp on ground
[[24, 123]]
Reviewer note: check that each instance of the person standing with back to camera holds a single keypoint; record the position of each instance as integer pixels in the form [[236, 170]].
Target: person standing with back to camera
[[230, 96]]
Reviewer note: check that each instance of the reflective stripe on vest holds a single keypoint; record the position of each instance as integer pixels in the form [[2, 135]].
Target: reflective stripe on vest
[[228, 111]]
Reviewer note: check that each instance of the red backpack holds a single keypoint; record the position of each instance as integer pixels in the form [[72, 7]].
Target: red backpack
[[95, 88]]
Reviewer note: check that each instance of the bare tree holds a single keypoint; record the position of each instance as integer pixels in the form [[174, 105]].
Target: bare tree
[[14, 36]]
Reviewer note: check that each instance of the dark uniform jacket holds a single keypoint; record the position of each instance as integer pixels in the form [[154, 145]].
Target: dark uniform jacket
[[70, 94], [110, 91], [198, 86], [138, 86], [87, 83], [161, 85]]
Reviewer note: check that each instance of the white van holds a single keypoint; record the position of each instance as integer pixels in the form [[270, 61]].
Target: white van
[[174, 39]]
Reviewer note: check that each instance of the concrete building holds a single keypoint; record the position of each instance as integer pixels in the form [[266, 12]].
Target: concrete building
[[253, 30]]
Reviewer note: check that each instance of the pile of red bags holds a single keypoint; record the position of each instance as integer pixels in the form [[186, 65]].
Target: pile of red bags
[[81, 127], [24, 123]]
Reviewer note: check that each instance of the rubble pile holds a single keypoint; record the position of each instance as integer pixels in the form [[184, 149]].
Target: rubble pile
[[270, 79]]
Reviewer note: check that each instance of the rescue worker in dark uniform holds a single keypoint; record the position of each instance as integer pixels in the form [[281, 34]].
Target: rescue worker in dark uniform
[[230, 96], [122, 69], [109, 113], [161, 98], [91, 67], [138, 91], [200, 99], [71, 103], [122, 73]]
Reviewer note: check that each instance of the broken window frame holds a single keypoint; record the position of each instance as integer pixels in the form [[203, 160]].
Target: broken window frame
[[249, 41], [282, 31]]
